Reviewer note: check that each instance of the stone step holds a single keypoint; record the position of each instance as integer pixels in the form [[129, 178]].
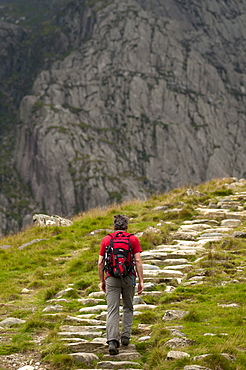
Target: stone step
[[93, 309], [186, 243], [177, 254], [98, 294], [168, 281], [153, 293], [222, 213], [124, 356], [90, 300], [144, 307], [154, 255], [182, 268], [163, 273], [78, 328], [175, 261], [87, 347], [194, 227], [200, 221], [88, 321], [156, 262], [118, 365], [219, 229], [147, 267], [80, 334]]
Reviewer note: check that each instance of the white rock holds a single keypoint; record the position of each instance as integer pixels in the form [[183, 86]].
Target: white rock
[[96, 308], [169, 289], [25, 291], [97, 294], [163, 273], [195, 227], [144, 339], [231, 222], [174, 314], [91, 300], [175, 355], [229, 305], [55, 308], [144, 307], [150, 267], [11, 321], [54, 220], [85, 358], [62, 292]]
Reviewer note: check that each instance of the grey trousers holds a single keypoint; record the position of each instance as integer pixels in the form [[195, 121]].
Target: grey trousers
[[114, 288]]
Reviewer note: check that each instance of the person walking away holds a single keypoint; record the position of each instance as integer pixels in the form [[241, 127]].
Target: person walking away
[[117, 283]]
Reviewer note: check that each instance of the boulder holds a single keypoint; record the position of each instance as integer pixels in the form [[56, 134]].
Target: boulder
[[54, 220]]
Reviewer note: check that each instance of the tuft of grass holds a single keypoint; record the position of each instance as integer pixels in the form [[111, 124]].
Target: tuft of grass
[[60, 361], [20, 342], [193, 316], [219, 362], [52, 291], [147, 317]]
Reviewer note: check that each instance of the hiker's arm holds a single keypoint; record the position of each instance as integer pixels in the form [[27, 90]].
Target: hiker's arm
[[139, 269], [101, 273]]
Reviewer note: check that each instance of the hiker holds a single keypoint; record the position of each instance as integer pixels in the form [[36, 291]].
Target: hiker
[[123, 284]]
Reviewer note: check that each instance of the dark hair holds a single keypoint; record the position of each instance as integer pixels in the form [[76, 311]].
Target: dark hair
[[120, 222]]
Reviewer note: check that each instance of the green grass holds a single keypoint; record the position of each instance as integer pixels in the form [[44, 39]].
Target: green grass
[[68, 257]]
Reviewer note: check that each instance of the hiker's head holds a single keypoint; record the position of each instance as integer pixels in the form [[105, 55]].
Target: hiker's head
[[120, 222]]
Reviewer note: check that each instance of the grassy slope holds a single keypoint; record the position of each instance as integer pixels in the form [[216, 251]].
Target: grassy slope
[[69, 256]]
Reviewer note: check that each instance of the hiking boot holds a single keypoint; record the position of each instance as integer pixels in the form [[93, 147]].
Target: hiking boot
[[112, 347], [125, 341]]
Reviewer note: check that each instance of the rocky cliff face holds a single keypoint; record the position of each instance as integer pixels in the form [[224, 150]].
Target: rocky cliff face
[[144, 97]]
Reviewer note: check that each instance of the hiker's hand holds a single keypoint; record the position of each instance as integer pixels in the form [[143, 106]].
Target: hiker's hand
[[140, 287], [103, 286]]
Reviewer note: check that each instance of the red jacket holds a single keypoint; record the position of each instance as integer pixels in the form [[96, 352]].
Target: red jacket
[[136, 247]]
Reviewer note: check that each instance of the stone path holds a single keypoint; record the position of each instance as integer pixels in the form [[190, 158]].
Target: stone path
[[165, 264], [84, 332]]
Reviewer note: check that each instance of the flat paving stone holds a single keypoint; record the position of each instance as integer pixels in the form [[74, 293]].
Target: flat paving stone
[[87, 334], [87, 347], [117, 364], [124, 356], [182, 268], [163, 273], [97, 308], [78, 328]]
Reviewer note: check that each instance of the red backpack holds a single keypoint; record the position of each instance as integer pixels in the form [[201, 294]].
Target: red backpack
[[119, 260]]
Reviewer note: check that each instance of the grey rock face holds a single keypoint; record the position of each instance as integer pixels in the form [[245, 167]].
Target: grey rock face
[[151, 96]]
